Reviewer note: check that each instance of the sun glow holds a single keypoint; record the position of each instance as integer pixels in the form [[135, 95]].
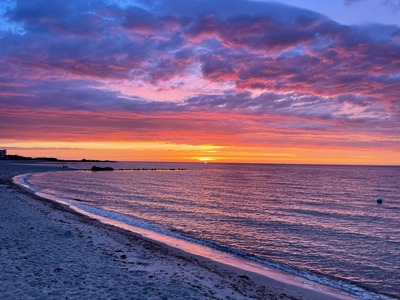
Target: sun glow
[[175, 152], [206, 158], [108, 145], [128, 151]]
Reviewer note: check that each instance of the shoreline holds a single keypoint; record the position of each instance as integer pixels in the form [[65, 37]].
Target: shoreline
[[179, 274]]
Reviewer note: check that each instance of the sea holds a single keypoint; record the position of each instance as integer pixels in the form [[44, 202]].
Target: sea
[[318, 222]]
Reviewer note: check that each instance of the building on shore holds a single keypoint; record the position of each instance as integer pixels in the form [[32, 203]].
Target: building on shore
[[3, 154]]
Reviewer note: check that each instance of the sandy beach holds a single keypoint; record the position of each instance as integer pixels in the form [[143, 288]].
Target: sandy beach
[[48, 251]]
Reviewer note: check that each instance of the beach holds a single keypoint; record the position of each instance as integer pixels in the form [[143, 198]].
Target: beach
[[49, 251]]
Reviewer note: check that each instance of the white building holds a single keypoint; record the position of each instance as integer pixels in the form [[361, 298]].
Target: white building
[[3, 154]]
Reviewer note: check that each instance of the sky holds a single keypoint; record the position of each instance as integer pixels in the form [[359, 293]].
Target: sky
[[202, 80]]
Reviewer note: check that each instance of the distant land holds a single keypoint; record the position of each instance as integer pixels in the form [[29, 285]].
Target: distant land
[[51, 159]]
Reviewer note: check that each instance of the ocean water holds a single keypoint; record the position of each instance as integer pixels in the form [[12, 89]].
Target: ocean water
[[319, 222]]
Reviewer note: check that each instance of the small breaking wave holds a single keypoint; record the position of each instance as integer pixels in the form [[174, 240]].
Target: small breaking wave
[[172, 238]]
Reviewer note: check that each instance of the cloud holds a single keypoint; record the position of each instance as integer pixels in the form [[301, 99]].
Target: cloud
[[394, 4], [247, 43], [349, 2], [244, 67]]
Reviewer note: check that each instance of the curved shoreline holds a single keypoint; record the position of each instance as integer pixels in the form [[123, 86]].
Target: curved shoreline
[[252, 285]]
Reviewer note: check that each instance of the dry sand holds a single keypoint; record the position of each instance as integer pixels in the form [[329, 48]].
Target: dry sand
[[48, 251]]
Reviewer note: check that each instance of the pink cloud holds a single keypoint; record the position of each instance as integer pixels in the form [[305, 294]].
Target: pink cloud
[[292, 73]]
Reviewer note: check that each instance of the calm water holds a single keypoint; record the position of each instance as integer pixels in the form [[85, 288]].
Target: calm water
[[320, 222]]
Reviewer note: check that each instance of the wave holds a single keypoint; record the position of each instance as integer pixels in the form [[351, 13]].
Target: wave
[[205, 248]]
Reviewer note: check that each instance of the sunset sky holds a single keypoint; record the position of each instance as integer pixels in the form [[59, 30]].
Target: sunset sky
[[202, 80]]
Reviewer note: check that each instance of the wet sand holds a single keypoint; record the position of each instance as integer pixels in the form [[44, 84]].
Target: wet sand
[[48, 251]]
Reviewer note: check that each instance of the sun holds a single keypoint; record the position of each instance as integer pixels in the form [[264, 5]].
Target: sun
[[206, 158]]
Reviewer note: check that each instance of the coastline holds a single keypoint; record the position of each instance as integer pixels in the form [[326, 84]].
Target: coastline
[[49, 250]]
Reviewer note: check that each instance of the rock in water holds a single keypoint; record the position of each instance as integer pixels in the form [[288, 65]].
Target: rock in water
[[95, 168], [379, 200]]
